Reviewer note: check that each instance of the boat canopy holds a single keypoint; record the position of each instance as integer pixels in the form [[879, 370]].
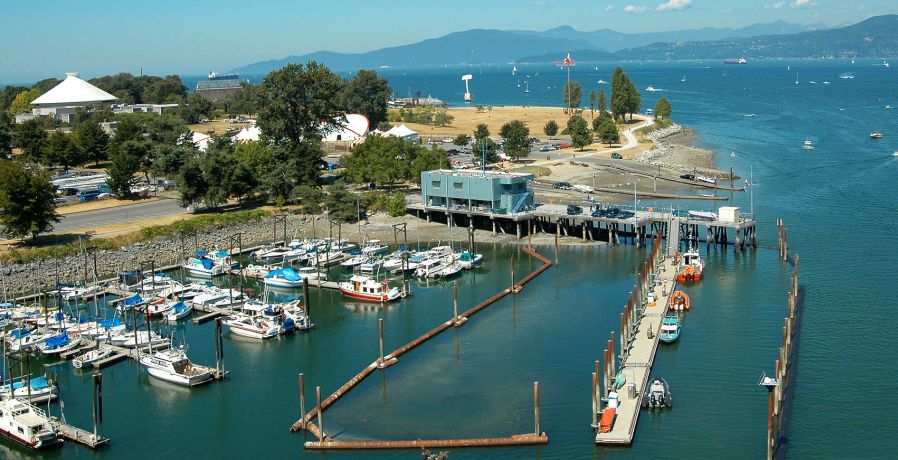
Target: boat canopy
[[286, 273], [199, 253], [221, 254], [19, 333], [134, 300], [57, 341]]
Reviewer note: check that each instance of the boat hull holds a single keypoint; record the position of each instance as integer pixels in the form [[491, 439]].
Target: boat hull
[[388, 297], [253, 333], [179, 379], [38, 445], [689, 278]]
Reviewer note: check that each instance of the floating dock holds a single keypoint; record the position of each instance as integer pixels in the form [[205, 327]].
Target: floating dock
[[75, 434]]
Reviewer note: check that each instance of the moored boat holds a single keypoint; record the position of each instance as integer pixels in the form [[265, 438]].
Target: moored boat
[[27, 425], [178, 311], [658, 395], [469, 260], [92, 356], [679, 301], [283, 278], [367, 288], [252, 327], [691, 267], [876, 135], [203, 265], [41, 390], [173, 366], [670, 329]]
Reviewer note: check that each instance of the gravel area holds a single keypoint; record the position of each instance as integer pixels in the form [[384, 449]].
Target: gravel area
[[675, 149]]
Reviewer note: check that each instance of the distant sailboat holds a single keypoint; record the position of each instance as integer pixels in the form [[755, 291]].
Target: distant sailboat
[[788, 67], [852, 61], [796, 78], [519, 83], [526, 87], [684, 78], [514, 69], [596, 68]]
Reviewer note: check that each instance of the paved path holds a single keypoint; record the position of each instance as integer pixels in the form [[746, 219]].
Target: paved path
[[118, 215], [628, 134]]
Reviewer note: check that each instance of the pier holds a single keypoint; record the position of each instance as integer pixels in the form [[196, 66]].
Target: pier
[[640, 324], [385, 360]]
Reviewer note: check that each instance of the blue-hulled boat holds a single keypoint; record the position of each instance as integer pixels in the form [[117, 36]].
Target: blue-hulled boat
[[670, 329]]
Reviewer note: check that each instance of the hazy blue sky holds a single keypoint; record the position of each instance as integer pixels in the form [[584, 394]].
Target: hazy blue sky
[[49, 37]]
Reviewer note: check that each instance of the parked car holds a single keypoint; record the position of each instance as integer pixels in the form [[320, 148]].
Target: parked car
[[616, 156], [546, 148], [600, 212], [688, 176], [562, 185], [452, 152], [573, 210], [90, 196], [564, 145]]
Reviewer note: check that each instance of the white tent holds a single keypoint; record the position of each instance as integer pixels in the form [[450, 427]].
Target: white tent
[[402, 131], [353, 128], [200, 140], [250, 134]]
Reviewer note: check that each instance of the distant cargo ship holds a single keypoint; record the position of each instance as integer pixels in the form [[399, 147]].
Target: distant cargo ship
[[736, 61], [227, 76]]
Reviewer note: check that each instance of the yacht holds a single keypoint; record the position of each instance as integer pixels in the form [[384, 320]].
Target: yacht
[[203, 265], [374, 247], [272, 313], [469, 260], [283, 278], [252, 327], [876, 135], [27, 425], [430, 268], [173, 366], [355, 260], [294, 310], [651, 89], [139, 339], [371, 266], [311, 273], [808, 145], [367, 288]]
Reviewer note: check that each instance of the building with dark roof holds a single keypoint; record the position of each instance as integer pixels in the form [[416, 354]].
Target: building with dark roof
[[216, 90]]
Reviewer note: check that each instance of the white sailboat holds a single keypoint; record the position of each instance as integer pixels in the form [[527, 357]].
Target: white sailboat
[[684, 78], [514, 69], [526, 87], [92, 356]]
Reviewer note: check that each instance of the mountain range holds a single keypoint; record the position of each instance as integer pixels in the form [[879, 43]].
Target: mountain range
[[874, 37]]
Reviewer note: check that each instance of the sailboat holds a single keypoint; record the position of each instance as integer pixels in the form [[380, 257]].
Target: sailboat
[[519, 83], [684, 78], [788, 67], [796, 78], [514, 69], [526, 87]]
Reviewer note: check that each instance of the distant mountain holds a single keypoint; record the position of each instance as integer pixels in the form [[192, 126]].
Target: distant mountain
[[610, 40], [476, 46], [876, 37]]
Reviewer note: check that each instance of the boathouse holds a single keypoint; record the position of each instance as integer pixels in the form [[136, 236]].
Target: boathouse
[[491, 191]]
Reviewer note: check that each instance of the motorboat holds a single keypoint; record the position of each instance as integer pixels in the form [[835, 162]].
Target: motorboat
[[218, 298], [876, 135], [92, 356], [895, 153], [328, 259], [807, 145], [270, 253], [706, 179], [203, 265], [691, 267], [272, 313], [80, 293], [283, 278], [679, 301], [311, 273], [59, 344], [670, 329], [371, 266], [355, 260], [296, 312], [451, 269], [702, 215], [651, 89], [138, 339], [258, 271], [374, 247], [41, 390], [367, 288], [252, 327], [173, 366], [179, 311], [27, 425], [658, 395], [430, 268], [224, 259]]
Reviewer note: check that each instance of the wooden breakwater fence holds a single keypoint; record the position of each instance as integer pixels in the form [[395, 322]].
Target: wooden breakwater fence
[[383, 361], [640, 323], [779, 386]]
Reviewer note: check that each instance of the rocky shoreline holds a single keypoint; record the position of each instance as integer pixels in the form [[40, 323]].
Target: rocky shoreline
[[675, 149]]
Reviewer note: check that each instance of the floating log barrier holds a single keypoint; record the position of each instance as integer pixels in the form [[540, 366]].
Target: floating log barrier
[[323, 443]]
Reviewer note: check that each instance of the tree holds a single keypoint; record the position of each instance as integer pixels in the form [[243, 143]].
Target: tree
[[662, 108], [297, 105], [26, 197], [310, 198], [380, 160], [428, 160], [634, 99], [579, 131], [124, 164], [168, 160], [573, 95], [61, 149], [127, 129], [485, 147], [461, 140], [30, 136], [256, 155], [196, 109], [551, 128], [92, 141], [481, 131], [600, 102], [619, 93], [340, 203], [592, 102], [22, 102], [396, 205], [517, 139], [607, 131], [368, 95], [6, 132], [191, 184]]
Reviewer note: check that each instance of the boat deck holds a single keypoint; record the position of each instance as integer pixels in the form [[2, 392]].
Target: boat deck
[[637, 366]]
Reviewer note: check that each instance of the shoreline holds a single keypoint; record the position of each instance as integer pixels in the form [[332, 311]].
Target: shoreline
[[675, 148]]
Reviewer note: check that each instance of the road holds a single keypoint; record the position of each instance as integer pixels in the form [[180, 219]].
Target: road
[[118, 215]]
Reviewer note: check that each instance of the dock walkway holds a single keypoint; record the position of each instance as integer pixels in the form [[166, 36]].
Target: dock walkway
[[636, 365]]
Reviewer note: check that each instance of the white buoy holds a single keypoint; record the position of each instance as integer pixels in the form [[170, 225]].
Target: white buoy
[[467, 78]]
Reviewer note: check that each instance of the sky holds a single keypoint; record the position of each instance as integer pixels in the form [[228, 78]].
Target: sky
[[97, 37]]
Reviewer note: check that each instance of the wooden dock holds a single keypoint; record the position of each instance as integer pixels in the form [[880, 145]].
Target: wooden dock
[[75, 434], [640, 343]]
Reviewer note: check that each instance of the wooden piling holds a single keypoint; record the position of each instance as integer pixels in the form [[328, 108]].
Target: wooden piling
[[320, 413], [536, 408], [302, 398]]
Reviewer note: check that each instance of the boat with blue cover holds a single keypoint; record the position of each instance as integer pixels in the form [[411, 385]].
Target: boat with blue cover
[[285, 277], [59, 344], [201, 264], [42, 390]]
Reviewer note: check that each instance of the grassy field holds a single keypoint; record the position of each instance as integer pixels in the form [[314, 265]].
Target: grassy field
[[537, 171], [659, 124], [219, 127], [467, 118]]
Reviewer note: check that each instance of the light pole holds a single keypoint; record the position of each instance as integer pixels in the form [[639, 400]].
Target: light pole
[[593, 181], [358, 214]]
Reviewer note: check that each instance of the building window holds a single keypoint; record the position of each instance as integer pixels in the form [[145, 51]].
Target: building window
[[435, 184], [458, 185]]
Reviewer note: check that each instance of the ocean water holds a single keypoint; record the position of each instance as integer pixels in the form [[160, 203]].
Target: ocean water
[[837, 201]]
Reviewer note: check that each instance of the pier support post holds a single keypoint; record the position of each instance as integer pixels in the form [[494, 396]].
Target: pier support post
[[302, 402], [320, 413], [556, 242], [97, 403], [380, 325], [595, 406], [512, 275], [536, 408]]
